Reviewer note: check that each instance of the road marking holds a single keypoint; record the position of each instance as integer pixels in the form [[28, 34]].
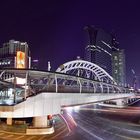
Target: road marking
[[58, 129], [59, 126], [128, 138], [1, 133], [93, 135], [19, 137], [9, 136], [42, 138], [58, 134], [31, 138]]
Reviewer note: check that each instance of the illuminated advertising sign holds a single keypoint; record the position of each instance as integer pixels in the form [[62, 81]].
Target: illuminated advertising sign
[[20, 59]]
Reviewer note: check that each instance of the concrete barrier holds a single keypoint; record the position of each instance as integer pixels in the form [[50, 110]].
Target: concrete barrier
[[39, 131]]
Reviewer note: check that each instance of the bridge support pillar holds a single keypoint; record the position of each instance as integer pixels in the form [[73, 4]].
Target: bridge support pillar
[[40, 126], [9, 121], [121, 102], [40, 121]]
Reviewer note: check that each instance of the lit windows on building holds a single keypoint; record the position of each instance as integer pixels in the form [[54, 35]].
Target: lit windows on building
[[118, 66], [15, 54], [115, 58], [99, 48]]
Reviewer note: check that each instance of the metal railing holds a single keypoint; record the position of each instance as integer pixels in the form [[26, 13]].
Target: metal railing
[[25, 83]]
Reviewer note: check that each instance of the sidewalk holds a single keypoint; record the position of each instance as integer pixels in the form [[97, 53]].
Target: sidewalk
[[25, 129], [18, 129]]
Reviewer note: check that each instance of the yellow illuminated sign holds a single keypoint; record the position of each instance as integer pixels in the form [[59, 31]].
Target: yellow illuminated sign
[[20, 59]]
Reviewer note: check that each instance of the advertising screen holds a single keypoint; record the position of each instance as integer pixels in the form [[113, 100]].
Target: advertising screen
[[20, 59]]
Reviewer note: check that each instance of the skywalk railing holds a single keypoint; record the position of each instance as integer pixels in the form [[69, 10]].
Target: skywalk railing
[[25, 83]]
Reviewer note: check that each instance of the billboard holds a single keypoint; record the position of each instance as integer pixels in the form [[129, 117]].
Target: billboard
[[20, 59]]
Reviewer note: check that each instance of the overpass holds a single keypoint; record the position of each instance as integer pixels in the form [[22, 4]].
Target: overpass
[[51, 103], [33, 93]]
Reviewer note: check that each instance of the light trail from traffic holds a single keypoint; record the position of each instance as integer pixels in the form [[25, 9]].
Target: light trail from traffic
[[105, 123]]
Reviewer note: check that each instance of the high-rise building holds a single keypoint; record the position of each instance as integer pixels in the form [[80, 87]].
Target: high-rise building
[[15, 54], [99, 48], [118, 67]]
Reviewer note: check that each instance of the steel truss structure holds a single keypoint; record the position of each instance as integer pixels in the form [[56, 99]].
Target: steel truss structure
[[23, 83], [87, 70]]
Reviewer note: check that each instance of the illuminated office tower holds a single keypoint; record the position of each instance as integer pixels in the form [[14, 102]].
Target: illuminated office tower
[[99, 48], [15, 54], [118, 67]]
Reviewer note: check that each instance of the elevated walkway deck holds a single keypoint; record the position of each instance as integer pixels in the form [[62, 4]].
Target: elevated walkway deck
[[51, 103]]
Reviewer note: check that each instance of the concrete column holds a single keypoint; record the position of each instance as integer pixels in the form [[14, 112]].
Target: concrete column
[[107, 88], [127, 101], [40, 121], [9, 121], [94, 89], [121, 102], [56, 84], [101, 86]]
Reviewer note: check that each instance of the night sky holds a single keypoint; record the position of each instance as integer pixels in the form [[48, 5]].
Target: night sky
[[54, 28]]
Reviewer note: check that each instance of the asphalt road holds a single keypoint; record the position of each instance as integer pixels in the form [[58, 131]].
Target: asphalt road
[[101, 123], [91, 123], [61, 130]]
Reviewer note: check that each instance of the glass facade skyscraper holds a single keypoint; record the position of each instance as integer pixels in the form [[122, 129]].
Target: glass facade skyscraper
[[102, 49], [99, 48]]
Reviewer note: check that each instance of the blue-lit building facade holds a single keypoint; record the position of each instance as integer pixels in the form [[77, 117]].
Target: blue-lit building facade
[[99, 48], [103, 50]]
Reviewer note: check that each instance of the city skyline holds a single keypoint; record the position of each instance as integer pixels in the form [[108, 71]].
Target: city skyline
[[69, 69], [52, 28]]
